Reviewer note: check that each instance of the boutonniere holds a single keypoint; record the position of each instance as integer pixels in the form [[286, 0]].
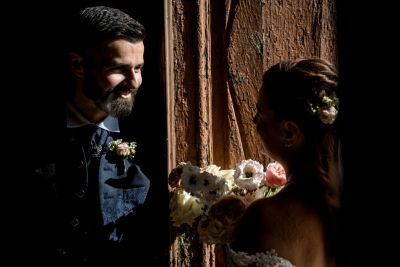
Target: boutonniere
[[124, 151]]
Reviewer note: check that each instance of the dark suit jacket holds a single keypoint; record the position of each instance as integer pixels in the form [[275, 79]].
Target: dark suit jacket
[[83, 209]]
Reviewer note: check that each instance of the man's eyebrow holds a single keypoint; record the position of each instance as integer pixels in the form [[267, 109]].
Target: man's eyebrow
[[140, 65], [116, 64]]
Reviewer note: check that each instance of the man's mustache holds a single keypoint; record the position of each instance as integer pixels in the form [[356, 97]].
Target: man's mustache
[[121, 89]]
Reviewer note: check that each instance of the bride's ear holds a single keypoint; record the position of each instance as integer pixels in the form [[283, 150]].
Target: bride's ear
[[292, 136]]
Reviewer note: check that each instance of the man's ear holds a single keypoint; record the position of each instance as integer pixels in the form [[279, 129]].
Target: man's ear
[[76, 64], [291, 133]]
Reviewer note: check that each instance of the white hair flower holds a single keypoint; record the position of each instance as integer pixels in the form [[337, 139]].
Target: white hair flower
[[327, 111], [328, 115]]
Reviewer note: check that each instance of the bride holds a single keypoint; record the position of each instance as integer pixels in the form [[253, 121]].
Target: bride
[[296, 119]]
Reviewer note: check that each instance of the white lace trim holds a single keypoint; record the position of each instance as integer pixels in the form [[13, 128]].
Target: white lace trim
[[266, 259]]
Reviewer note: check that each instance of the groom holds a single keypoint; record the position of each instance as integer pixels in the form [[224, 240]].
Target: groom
[[89, 194]]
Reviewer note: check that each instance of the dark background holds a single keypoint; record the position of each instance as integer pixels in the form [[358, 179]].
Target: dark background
[[369, 70], [33, 84]]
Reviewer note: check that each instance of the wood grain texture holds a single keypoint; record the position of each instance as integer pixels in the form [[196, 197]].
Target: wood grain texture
[[220, 50]]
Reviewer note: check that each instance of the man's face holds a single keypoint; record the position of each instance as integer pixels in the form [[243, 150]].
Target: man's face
[[113, 74]]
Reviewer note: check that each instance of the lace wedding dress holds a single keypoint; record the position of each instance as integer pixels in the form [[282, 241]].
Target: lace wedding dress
[[266, 259]]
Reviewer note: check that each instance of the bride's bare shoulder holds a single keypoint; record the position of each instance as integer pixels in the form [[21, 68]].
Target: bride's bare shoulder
[[285, 216]]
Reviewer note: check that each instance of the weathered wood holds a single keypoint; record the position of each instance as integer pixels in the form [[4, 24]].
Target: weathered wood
[[218, 51]]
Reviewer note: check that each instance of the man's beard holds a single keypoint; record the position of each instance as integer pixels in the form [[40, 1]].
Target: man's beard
[[121, 107], [105, 99]]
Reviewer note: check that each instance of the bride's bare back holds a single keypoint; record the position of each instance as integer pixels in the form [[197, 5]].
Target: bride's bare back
[[288, 225]]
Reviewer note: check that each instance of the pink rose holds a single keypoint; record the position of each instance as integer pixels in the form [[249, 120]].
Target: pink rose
[[275, 176], [123, 149], [328, 115]]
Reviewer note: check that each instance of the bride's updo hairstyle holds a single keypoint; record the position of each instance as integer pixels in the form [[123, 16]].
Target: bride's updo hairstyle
[[305, 91]]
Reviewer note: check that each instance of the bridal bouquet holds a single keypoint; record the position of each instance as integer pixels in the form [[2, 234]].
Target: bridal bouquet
[[213, 200]]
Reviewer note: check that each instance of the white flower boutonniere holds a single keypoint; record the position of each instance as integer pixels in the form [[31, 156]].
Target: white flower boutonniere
[[124, 151]]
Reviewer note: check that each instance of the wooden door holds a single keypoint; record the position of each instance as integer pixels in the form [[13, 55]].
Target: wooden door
[[216, 53]]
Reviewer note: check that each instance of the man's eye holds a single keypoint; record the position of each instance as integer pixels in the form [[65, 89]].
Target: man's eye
[[138, 68], [115, 70]]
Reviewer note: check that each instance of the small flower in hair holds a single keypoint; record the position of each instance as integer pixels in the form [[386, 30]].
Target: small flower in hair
[[328, 115], [328, 111]]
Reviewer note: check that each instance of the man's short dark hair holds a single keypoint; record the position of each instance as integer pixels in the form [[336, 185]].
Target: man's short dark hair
[[93, 25]]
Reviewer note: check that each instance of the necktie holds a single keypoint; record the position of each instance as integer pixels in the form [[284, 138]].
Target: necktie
[[91, 142], [98, 142]]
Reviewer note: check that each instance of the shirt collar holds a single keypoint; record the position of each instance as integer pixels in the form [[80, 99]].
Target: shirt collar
[[75, 119]]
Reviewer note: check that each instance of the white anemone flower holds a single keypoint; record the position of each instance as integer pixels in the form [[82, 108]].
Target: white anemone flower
[[249, 174], [218, 189], [190, 178], [205, 183]]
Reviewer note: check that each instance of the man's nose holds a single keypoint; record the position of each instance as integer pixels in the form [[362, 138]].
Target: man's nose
[[134, 79]]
